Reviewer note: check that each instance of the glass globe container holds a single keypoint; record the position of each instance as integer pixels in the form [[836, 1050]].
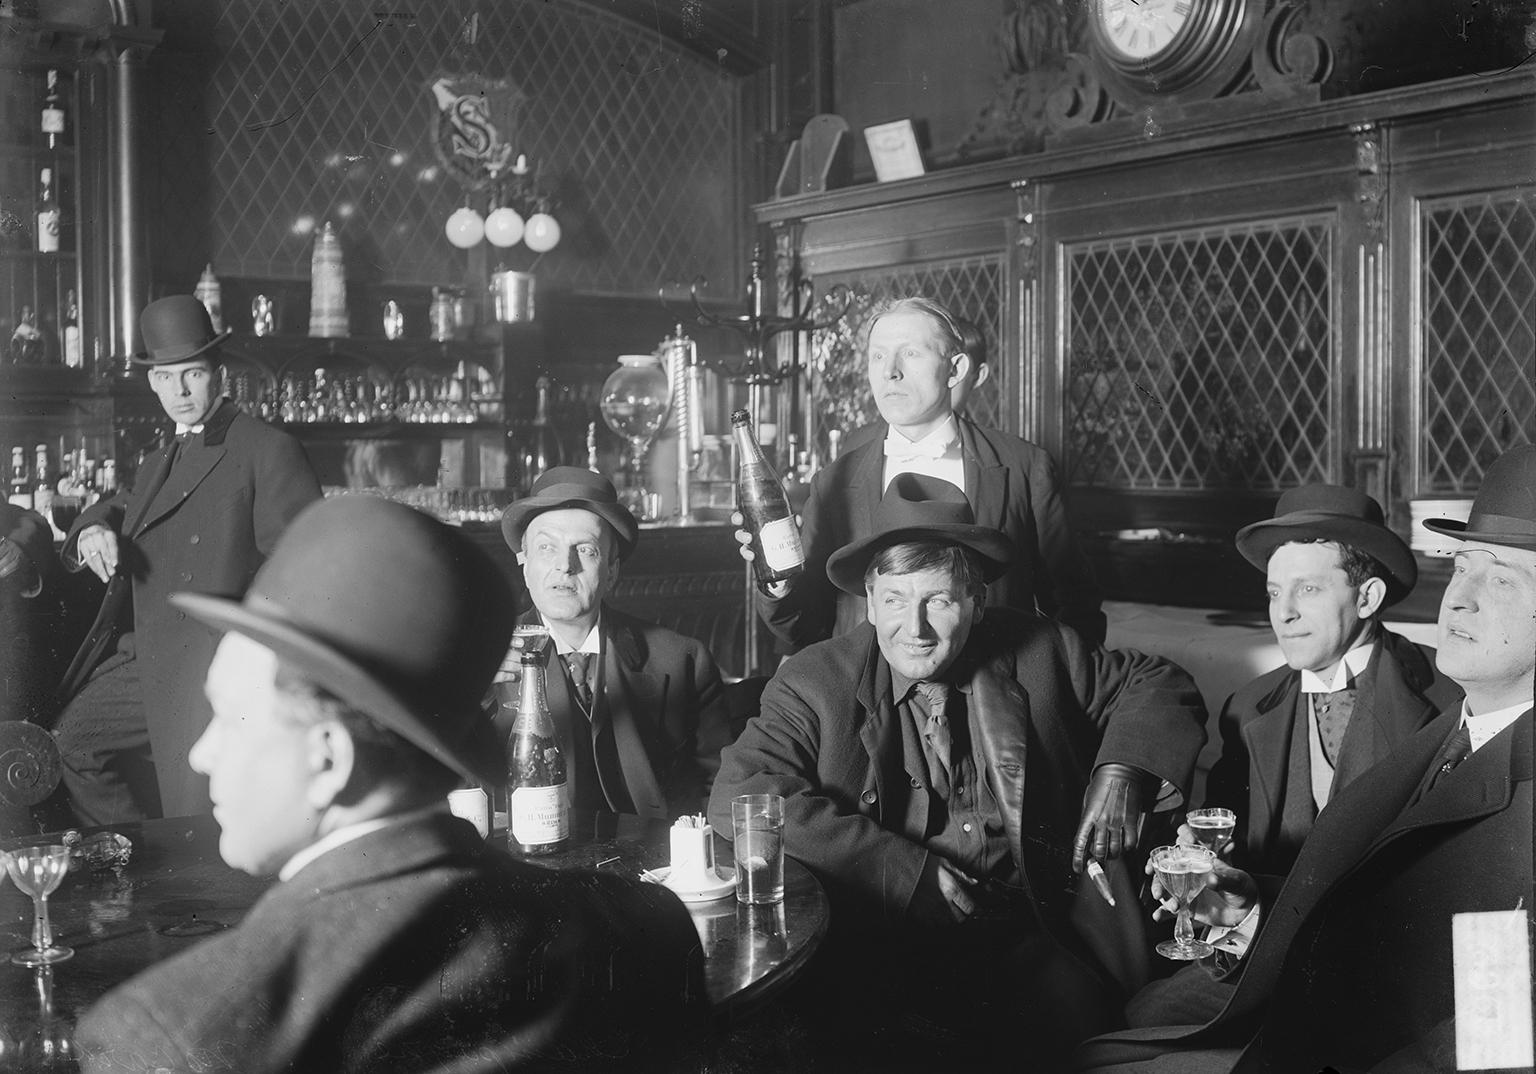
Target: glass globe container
[[465, 227], [542, 233], [635, 401]]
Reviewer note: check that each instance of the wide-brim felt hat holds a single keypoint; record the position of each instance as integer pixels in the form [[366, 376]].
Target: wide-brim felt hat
[[563, 487], [1504, 510], [1333, 513], [176, 329], [397, 614], [917, 507]]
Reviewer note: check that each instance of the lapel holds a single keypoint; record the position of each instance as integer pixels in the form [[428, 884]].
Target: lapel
[[402, 848], [881, 735], [151, 480], [629, 695], [998, 713], [197, 459], [866, 469], [986, 476], [1269, 740]]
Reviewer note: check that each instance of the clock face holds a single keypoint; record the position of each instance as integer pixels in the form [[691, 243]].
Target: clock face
[[1141, 29]]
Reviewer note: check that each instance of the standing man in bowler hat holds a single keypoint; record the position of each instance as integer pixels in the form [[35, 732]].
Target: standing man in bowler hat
[[204, 512], [640, 709], [396, 939], [1366, 957]]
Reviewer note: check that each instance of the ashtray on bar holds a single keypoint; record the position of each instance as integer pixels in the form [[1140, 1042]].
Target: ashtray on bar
[[99, 850]]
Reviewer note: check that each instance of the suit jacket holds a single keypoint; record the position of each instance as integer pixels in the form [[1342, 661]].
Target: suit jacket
[[207, 529], [418, 948], [21, 692], [1352, 966], [1263, 728], [1012, 485], [663, 697], [1045, 709]]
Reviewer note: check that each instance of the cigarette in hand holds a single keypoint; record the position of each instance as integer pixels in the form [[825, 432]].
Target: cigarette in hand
[[1100, 881]]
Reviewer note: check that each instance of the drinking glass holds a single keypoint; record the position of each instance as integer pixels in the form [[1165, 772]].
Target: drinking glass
[[757, 823], [1212, 827], [38, 870], [1182, 872]]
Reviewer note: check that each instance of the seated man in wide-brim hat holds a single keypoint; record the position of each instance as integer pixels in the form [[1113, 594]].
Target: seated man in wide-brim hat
[[344, 710], [949, 769]]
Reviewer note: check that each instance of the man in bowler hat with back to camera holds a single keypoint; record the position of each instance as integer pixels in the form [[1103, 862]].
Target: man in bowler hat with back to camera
[[204, 512], [396, 939], [640, 709], [1373, 953]]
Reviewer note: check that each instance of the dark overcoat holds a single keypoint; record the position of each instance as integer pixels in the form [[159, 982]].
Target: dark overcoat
[[21, 693]]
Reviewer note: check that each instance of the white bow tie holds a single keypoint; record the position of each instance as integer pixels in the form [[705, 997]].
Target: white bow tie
[[901, 448], [182, 430]]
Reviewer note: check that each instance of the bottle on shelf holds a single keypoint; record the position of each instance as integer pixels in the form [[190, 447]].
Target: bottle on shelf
[[27, 345], [48, 220], [20, 488], [538, 809], [42, 489], [72, 355], [53, 111], [541, 451], [211, 294], [776, 550]]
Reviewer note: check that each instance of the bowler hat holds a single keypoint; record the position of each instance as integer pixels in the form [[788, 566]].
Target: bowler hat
[[176, 329], [1332, 513], [400, 616], [917, 507], [571, 486], [1504, 510]]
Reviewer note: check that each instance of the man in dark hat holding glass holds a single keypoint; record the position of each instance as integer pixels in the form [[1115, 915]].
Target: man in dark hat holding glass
[[640, 709], [948, 770], [204, 512], [1401, 939], [344, 711], [1350, 691]]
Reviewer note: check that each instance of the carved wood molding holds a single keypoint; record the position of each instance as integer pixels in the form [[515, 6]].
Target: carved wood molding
[[1370, 180]]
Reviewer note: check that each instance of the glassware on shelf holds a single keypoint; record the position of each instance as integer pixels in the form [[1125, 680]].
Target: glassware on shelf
[[635, 401]]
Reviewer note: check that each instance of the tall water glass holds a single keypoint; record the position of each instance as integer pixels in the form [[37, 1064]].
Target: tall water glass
[[38, 870], [757, 828]]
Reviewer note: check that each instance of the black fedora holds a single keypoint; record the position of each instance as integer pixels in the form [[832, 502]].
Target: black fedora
[[416, 654], [1332, 513], [176, 329], [571, 486], [917, 507], [1504, 510]]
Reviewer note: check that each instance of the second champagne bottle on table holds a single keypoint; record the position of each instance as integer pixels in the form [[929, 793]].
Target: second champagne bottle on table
[[538, 808], [776, 550]]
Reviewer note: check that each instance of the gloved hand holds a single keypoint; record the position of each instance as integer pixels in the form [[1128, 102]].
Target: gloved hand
[[1112, 812]]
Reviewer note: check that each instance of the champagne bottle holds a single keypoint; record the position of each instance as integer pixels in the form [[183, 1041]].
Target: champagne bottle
[[72, 357], [538, 809], [776, 550], [53, 111], [541, 452], [47, 216], [20, 487]]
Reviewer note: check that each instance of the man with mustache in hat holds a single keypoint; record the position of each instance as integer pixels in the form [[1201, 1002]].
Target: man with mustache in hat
[[1350, 691], [203, 514], [344, 711], [1359, 959], [947, 770], [640, 709]]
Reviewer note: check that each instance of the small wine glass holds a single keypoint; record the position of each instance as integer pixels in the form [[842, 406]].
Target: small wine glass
[[1182, 872], [1212, 827], [38, 870]]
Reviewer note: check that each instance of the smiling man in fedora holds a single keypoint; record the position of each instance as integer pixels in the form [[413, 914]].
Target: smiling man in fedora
[[344, 710], [1378, 950], [204, 512], [1350, 689], [947, 769], [640, 709]]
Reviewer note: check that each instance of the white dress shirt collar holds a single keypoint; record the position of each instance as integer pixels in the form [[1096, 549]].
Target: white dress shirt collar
[[1350, 668], [593, 643], [1482, 728]]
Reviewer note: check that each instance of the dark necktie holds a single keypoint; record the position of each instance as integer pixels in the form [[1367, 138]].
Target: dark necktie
[[1333, 713], [936, 732], [577, 664], [1457, 749]]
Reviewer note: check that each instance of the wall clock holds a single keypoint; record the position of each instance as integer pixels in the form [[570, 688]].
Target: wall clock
[[1147, 51]]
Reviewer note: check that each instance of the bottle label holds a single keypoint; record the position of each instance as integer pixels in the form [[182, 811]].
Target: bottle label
[[53, 120], [781, 545], [48, 231], [537, 815]]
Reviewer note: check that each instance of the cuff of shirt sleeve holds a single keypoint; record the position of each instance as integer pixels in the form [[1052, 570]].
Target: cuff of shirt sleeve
[[1235, 939]]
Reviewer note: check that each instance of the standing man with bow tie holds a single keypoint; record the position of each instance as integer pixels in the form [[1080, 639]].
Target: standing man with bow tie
[[915, 358], [204, 513]]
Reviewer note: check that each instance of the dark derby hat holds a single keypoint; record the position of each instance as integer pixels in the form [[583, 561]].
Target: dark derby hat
[[917, 507], [1332, 513], [176, 329], [1504, 510], [400, 616], [571, 486]]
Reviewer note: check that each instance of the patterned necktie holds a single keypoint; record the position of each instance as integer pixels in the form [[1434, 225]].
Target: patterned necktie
[[1457, 749], [576, 664], [936, 732], [1333, 713]]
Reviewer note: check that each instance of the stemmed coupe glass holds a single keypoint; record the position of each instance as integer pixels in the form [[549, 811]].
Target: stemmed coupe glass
[[1182, 871], [1212, 827], [38, 870]]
